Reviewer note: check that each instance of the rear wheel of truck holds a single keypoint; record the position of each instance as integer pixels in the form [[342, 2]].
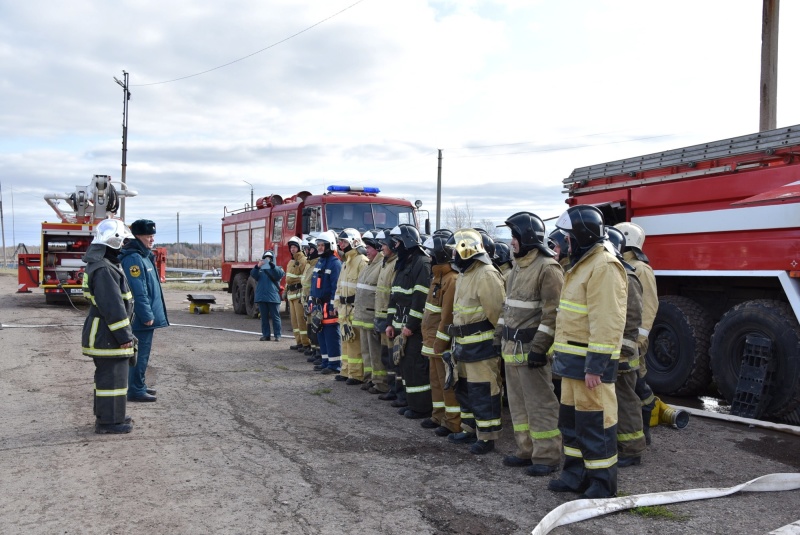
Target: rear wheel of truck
[[250, 298], [677, 357], [769, 320], [238, 293]]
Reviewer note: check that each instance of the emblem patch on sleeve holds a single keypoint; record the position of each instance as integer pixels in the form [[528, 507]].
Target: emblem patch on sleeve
[[135, 271]]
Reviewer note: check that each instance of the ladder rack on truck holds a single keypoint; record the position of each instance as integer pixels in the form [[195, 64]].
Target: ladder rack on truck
[[722, 221]]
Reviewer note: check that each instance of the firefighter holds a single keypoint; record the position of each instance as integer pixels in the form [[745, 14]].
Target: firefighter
[[630, 435], [525, 333], [634, 255], [589, 328], [364, 315], [502, 258], [394, 388], [312, 256], [107, 335], [323, 288], [557, 242], [352, 264], [406, 308], [150, 310], [478, 303], [294, 293], [446, 416]]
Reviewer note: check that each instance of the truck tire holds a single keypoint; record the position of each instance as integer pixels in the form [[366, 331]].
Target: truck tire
[[250, 298], [774, 320], [238, 293], [677, 357]]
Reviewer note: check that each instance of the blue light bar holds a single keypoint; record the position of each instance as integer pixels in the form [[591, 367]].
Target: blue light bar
[[354, 189]]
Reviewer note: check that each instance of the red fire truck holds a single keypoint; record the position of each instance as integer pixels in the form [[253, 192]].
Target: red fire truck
[[722, 223], [58, 267], [249, 231]]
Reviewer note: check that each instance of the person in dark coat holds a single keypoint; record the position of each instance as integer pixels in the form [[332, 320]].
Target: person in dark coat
[[150, 309], [268, 294], [107, 335]]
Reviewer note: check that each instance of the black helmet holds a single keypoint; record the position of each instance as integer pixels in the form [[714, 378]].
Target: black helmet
[[557, 239], [406, 234], [502, 253], [617, 239], [528, 229], [438, 248], [585, 227], [370, 238], [488, 242]]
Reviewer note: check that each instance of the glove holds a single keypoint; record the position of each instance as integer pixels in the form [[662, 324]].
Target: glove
[[316, 320], [398, 350], [348, 333], [135, 357], [536, 360], [450, 373]]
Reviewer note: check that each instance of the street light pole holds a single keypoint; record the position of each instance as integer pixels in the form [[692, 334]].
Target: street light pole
[[126, 96], [251, 192]]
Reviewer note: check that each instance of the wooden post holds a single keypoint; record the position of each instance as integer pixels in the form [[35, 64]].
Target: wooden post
[[769, 65]]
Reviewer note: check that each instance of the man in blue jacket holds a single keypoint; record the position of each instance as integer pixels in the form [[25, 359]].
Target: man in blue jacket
[[268, 294], [323, 288], [150, 310]]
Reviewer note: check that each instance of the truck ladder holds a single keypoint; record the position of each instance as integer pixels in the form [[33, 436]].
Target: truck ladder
[[762, 141]]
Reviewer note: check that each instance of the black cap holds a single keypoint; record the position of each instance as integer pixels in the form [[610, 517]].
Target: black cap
[[143, 227]]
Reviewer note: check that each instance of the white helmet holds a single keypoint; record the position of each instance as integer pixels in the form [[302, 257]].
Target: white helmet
[[111, 233], [297, 242], [327, 236], [634, 234], [351, 236]]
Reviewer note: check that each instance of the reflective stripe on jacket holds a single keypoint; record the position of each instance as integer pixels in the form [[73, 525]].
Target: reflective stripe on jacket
[[409, 292], [346, 287], [438, 310], [591, 317], [383, 290], [364, 314], [533, 289], [479, 296], [649, 292], [629, 352], [294, 276]]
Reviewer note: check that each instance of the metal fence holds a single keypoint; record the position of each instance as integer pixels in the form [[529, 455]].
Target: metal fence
[[205, 264]]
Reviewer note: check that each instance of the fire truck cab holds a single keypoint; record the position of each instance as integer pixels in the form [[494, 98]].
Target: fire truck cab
[[722, 224], [248, 232]]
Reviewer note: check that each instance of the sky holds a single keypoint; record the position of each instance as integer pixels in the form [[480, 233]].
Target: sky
[[293, 95]]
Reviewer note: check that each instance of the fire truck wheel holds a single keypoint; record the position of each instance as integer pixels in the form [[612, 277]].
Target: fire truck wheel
[[250, 298], [775, 321], [677, 357], [238, 291]]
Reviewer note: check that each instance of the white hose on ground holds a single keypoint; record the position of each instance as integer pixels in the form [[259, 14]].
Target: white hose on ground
[[793, 429], [579, 510]]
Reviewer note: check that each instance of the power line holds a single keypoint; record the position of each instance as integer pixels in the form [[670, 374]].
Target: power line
[[256, 52]]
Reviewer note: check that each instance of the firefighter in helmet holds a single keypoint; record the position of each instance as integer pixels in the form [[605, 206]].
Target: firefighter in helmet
[[589, 327], [525, 333], [446, 416], [634, 255], [477, 306], [312, 257], [323, 289], [294, 293], [364, 314], [630, 434], [353, 262], [107, 335], [393, 390], [557, 242], [406, 308]]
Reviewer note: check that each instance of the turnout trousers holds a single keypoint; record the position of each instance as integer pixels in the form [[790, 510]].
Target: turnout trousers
[[630, 432], [588, 423], [298, 319], [110, 389], [330, 346], [416, 375], [352, 359], [478, 395], [446, 410], [374, 370], [394, 376], [534, 411]]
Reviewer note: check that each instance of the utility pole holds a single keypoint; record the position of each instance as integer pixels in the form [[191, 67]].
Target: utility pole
[[200, 237], [439, 194], [251, 193], [3, 225], [769, 65], [178, 220], [126, 96]]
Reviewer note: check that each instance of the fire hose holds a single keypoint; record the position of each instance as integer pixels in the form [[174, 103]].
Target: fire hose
[[579, 510]]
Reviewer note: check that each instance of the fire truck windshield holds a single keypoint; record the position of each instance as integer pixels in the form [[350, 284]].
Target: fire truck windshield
[[366, 216]]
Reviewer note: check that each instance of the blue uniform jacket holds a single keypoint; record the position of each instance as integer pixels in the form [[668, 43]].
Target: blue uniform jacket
[[138, 263], [269, 279], [324, 279]]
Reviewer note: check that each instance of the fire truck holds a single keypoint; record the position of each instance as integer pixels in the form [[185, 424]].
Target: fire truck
[[722, 224], [58, 267], [268, 225]]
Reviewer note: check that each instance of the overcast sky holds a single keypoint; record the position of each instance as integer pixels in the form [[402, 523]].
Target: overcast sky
[[517, 93]]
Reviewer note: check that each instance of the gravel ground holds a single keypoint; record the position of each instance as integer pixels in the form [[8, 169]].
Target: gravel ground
[[245, 438]]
